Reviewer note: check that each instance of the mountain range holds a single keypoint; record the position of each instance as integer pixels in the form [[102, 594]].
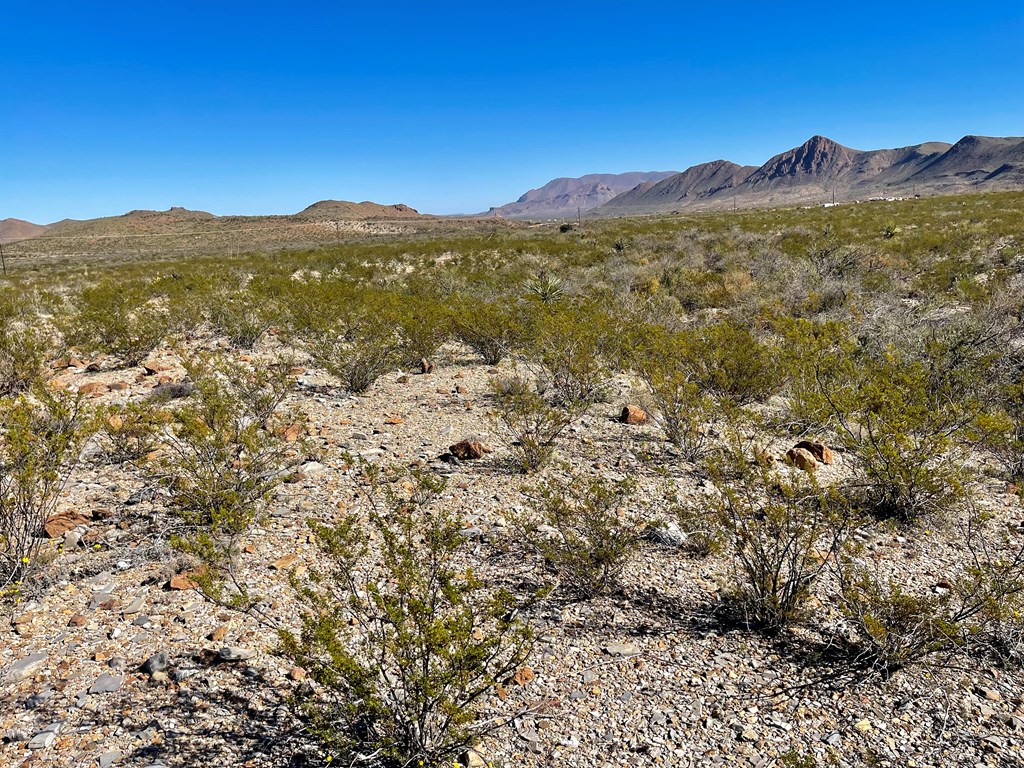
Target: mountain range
[[817, 171], [564, 196]]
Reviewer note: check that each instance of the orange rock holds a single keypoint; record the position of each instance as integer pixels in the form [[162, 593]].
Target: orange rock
[[802, 458], [94, 388], [467, 450], [219, 633], [182, 581], [633, 414], [819, 451], [283, 562], [394, 420], [61, 523], [292, 433], [523, 676]]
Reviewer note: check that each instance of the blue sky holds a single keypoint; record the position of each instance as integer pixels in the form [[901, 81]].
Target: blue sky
[[453, 107]]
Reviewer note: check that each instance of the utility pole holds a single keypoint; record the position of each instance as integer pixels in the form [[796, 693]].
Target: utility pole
[[337, 235], [833, 195], [3, 260], [579, 217]]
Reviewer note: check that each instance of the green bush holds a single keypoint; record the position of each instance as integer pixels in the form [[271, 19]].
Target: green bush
[[115, 319], [573, 344], [587, 542], [681, 408], [23, 353], [491, 328], [528, 424], [128, 433], [782, 528], [405, 641], [221, 464], [40, 441]]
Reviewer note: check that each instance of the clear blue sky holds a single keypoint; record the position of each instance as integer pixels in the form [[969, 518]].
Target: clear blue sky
[[453, 107]]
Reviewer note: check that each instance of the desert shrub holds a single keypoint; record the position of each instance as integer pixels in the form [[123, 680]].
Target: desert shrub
[[23, 352], [425, 325], [406, 643], [114, 319], [257, 389], [680, 407], [350, 332], [902, 416], [782, 528], [573, 345], [40, 440], [129, 432], [491, 328], [586, 541], [974, 609], [731, 363], [546, 288], [221, 464], [528, 424], [240, 317]]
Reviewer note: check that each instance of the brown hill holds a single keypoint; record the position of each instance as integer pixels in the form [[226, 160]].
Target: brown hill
[[821, 169], [564, 196], [342, 209], [17, 229]]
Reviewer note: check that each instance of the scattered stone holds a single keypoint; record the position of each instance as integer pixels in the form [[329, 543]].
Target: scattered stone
[[182, 581], [59, 524], [24, 668], [819, 451], [989, 693], [107, 683], [78, 620], [47, 736], [107, 759], [426, 366], [155, 663], [234, 653], [523, 676], [297, 673], [802, 459], [93, 389], [864, 726], [284, 562], [219, 633], [467, 450], [667, 533], [621, 649], [633, 414]]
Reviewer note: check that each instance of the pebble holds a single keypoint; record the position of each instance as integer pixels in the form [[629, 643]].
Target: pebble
[[107, 683]]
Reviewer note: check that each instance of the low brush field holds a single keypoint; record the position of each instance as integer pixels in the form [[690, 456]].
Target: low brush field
[[737, 489]]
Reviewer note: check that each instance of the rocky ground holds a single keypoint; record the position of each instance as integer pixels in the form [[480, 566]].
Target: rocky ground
[[649, 676]]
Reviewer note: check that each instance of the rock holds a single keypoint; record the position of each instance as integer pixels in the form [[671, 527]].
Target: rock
[[182, 581], [621, 649], [155, 663], [403, 379], [667, 533], [394, 420], [633, 414], [78, 620], [297, 674], [61, 523], [523, 676], [819, 451], [426, 366], [93, 388], [864, 726], [107, 759], [25, 667], [467, 450], [802, 459], [47, 736], [292, 433], [16, 735], [989, 693], [472, 759], [107, 683], [234, 653], [219, 633], [284, 562]]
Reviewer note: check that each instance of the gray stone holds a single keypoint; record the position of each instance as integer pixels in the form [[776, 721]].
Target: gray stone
[[621, 649], [233, 653], [107, 759], [155, 663], [107, 683], [668, 534], [47, 736], [25, 667], [137, 605]]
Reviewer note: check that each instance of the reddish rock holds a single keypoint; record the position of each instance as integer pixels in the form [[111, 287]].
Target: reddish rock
[[59, 524], [819, 451], [94, 388], [467, 450], [182, 581], [633, 414], [118, 386], [802, 458], [292, 433], [78, 620], [393, 420]]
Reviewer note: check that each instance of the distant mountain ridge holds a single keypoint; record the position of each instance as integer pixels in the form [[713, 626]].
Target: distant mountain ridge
[[563, 196], [820, 169]]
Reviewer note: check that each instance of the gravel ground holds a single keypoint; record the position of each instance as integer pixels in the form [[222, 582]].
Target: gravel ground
[[649, 676]]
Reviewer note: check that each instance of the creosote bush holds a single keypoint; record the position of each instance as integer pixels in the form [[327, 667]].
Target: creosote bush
[[23, 352], [41, 436], [407, 643], [782, 529], [528, 423], [588, 541], [221, 461]]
